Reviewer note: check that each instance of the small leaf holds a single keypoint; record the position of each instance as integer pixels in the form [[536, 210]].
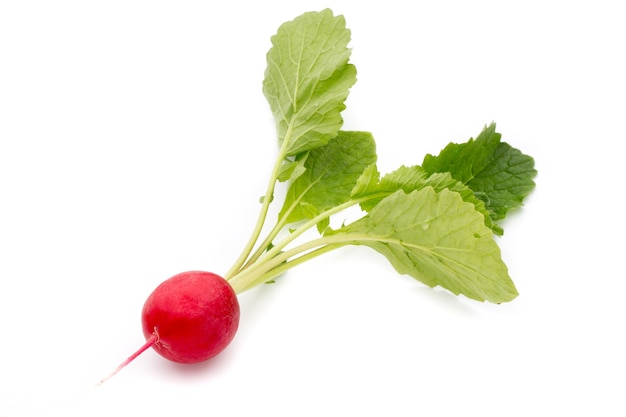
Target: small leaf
[[292, 168], [367, 182], [437, 238]]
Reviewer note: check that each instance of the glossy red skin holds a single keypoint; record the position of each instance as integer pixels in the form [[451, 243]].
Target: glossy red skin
[[195, 315]]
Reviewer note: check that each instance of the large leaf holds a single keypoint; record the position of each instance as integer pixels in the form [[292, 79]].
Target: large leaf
[[329, 175], [308, 78], [436, 238], [499, 174]]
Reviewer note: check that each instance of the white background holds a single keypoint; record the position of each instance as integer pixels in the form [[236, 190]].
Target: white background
[[135, 142]]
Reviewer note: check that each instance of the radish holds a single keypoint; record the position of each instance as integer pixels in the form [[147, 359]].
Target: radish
[[193, 316], [189, 318], [433, 222]]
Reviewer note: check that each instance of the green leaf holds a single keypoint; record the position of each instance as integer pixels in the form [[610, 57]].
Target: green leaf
[[331, 171], [292, 168], [367, 182], [499, 174], [410, 179], [308, 78], [437, 238]]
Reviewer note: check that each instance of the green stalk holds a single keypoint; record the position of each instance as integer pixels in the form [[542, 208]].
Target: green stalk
[[308, 225], [314, 221], [285, 266], [267, 265], [260, 272], [267, 200], [272, 234]]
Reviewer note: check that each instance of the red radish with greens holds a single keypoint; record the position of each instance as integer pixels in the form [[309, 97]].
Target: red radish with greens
[[435, 221]]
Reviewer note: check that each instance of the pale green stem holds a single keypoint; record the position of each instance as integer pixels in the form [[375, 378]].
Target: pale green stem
[[256, 232], [314, 221], [261, 269], [282, 221], [254, 275], [284, 266], [306, 226]]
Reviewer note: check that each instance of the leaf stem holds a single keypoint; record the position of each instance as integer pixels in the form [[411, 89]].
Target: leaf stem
[[261, 272], [267, 200], [280, 224], [267, 264], [256, 272], [286, 265]]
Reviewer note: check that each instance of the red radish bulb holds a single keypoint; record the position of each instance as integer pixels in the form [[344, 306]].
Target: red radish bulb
[[189, 318], [194, 315]]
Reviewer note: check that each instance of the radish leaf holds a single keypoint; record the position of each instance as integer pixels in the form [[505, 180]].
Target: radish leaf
[[307, 80], [437, 238], [499, 174], [330, 174]]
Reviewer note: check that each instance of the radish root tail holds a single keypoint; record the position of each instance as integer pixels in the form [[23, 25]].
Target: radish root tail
[[149, 343]]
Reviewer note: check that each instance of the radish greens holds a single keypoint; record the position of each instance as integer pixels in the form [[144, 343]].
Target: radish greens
[[435, 222]]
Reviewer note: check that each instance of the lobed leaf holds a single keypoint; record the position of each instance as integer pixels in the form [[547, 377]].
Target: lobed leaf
[[437, 238], [500, 175], [308, 78], [329, 175]]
